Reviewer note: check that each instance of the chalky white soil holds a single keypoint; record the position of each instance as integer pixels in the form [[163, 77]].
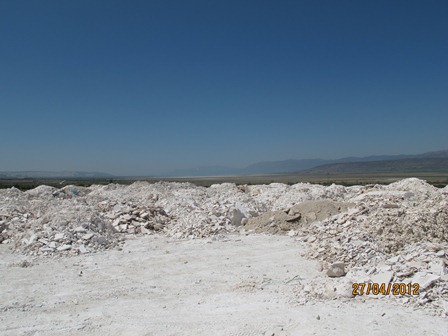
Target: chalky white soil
[[232, 285], [177, 259]]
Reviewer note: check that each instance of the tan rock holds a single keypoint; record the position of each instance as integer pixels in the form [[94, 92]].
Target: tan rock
[[336, 270]]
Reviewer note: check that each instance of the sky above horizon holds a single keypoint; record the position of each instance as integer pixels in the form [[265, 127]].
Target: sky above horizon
[[144, 87]]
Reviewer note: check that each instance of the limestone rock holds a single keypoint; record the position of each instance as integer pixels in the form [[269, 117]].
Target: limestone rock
[[424, 279], [383, 277]]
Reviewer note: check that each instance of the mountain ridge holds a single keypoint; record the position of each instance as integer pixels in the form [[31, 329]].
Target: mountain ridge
[[52, 174], [289, 166], [295, 165], [409, 165]]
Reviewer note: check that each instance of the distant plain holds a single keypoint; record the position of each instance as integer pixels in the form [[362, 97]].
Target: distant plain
[[438, 179]]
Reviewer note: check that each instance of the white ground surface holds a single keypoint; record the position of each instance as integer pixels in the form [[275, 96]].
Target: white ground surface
[[233, 285]]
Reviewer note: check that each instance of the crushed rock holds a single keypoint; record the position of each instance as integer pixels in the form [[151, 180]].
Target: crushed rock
[[396, 233]]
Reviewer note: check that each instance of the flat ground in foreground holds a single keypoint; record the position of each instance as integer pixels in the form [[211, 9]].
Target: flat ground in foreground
[[231, 285]]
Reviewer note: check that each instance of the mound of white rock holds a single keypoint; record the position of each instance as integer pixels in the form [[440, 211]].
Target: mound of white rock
[[393, 233]]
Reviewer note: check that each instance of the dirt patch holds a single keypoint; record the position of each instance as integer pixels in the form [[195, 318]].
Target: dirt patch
[[282, 221]]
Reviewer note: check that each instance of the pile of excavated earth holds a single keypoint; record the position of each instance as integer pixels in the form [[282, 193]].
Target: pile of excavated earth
[[361, 234]]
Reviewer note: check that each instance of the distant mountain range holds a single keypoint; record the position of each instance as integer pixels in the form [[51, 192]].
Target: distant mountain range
[[386, 166], [414, 163], [47, 174], [426, 162]]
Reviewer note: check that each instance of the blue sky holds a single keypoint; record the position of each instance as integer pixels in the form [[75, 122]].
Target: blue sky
[[142, 87]]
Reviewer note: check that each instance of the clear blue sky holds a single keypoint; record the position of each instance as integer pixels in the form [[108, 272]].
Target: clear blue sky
[[140, 87]]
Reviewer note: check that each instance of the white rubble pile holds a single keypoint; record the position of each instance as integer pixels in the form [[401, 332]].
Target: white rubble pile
[[394, 234], [33, 220], [361, 234], [278, 196], [54, 223], [201, 212], [132, 218], [424, 264]]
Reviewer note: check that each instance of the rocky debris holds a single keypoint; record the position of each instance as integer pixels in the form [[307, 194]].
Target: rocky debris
[[382, 234], [74, 220], [181, 210], [416, 264], [394, 234], [278, 196], [369, 232], [324, 289], [133, 219], [202, 212], [52, 225]]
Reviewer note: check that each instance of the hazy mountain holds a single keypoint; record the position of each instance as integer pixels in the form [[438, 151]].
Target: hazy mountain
[[438, 154], [376, 163], [420, 164], [373, 158], [293, 165], [47, 174]]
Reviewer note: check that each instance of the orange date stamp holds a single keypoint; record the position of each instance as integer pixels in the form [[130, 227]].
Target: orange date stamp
[[385, 289]]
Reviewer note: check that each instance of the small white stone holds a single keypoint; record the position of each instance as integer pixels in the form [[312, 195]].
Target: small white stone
[[393, 260], [82, 249], [440, 253], [383, 277], [144, 230], [58, 236], [64, 247], [311, 239], [126, 218], [87, 236], [424, 279]]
